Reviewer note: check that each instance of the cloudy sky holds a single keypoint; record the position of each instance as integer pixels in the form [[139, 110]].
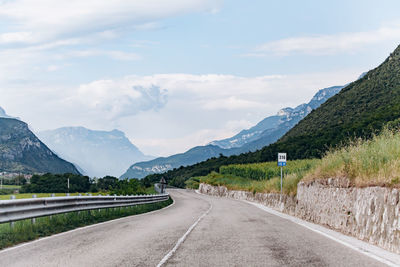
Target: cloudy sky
[[179, 73]]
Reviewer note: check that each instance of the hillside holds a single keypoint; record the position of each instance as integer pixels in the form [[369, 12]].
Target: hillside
[[360, 109], [21, 151], [97, 153], [264, 133]]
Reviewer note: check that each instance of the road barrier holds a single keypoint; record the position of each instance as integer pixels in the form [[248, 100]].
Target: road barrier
[[21, 209]]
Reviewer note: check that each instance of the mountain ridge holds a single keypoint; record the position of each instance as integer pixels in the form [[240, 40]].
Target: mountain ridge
[[263, 133], [21, 151]]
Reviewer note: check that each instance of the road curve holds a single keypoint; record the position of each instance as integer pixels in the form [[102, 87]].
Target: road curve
[[232, 233]]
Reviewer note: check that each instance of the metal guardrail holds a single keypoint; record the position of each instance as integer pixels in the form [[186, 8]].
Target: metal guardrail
[[21, 209]]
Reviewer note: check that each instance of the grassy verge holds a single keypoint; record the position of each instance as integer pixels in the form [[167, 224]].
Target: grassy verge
[[364, 162], [25, 230]]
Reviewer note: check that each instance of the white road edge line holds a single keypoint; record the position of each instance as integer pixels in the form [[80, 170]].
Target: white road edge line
[[377, 253], [182, 239], [83, 228]]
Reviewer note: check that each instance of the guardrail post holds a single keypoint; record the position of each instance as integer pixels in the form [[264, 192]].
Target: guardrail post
[[12, 224], [34, 196], [12, 197], [68, 195], [33, 220], [53, 195]]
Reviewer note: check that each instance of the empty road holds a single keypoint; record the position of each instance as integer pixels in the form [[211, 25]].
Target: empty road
[[230, 233]]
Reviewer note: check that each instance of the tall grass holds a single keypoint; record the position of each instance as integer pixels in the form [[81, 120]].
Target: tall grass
[[243, 180], [25, 230], [266, 170], [364, 162]]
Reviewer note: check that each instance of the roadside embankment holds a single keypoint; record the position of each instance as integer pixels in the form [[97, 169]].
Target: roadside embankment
[[371, 214]]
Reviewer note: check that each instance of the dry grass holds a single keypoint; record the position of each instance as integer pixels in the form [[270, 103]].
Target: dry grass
[[364, 162]]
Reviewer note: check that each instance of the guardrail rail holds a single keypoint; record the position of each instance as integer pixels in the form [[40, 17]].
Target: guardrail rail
[[21, 209]]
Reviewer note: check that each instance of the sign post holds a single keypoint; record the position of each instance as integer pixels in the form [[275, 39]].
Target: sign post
[[68, 184], [281, 163]]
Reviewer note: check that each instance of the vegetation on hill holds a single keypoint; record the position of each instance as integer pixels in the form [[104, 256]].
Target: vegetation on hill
[[361, 109]]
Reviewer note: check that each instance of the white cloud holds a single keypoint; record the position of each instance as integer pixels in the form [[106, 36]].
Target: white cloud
[[48, 19], [115, 99], [177, 111], [328, 44], [113, 54], [231, 103], [16, 37]]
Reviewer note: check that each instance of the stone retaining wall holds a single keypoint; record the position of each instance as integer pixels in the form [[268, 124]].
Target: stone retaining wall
[[371, 214]]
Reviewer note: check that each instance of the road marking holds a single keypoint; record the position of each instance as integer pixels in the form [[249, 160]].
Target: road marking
[[182, 239], [377, 253], [83, 228]]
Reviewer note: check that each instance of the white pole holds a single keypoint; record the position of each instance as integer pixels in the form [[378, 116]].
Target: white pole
[[68, 184], [281, 177]]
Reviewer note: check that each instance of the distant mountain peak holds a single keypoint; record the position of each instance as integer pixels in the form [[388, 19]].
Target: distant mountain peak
[[3, 114], [97, 153]]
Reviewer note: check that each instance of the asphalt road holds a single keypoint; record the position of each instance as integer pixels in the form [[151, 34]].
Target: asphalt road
[[233, 233]]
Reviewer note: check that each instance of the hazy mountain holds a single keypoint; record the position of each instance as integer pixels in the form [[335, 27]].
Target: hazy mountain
[[163, 164], [21, 151], [264, 133], [97, 153]]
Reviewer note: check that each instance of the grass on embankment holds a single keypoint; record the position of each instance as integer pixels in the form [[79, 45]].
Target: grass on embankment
[[374, 162], [25, 230], [259, 177], [364, 162]]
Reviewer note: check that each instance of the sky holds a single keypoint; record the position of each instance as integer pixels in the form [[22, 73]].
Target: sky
[[180, 73]]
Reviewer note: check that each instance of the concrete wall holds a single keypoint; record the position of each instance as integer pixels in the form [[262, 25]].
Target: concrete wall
[[371, 214]]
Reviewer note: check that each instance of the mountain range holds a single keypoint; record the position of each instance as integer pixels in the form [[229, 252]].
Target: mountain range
[[97, 153], [264, 133], [359, 110], [22, 152]]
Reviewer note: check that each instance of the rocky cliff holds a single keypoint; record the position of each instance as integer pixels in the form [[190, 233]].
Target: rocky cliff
[[21, 151]]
